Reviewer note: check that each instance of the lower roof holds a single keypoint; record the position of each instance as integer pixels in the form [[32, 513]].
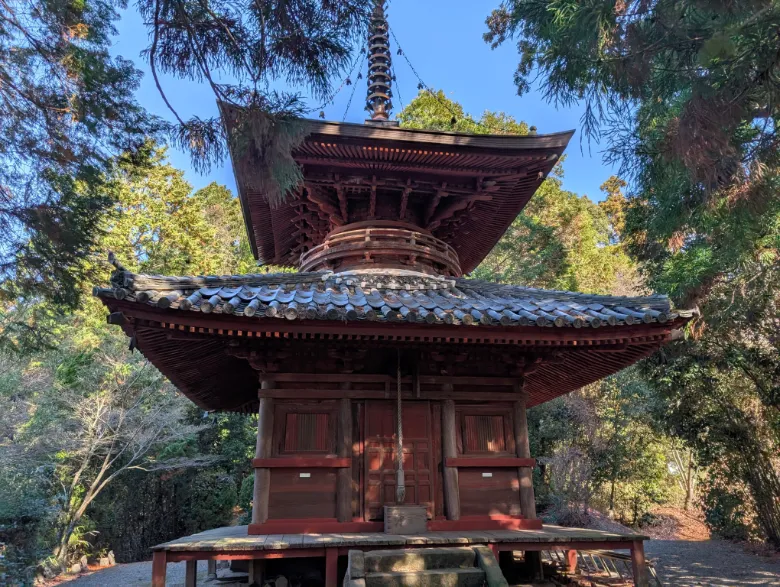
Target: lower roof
[[212, 336]]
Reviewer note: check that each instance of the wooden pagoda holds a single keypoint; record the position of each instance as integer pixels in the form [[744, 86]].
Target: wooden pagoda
[[381, 375]]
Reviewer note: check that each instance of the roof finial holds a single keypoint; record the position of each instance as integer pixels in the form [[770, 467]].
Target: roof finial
[[379, 98]]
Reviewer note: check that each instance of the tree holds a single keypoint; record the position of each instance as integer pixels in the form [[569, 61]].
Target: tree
[[90, 416], [239, 49], [432, 110], [88, 412], [685, 94], [68, 110]]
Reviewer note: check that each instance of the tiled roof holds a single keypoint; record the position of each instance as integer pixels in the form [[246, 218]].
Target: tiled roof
[[385, 296]]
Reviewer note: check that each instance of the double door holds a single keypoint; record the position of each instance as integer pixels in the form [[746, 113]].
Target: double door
[[381, 430]]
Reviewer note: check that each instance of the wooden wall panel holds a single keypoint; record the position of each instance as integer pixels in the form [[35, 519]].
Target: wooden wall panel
[[294, 497], [483, 496]]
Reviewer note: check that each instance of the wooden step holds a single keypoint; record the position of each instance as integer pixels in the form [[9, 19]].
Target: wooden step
[[431, 578], [418, 559]]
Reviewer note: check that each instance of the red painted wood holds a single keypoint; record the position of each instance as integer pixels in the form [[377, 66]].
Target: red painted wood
[[564, 546], [638, 564], [303, 463], [308, 497], [331, 567], [309, 525], [498, 494], [380, 456], [188, 555], [489, 462], [496, 522], [159, 568], [483, 433], [571, 561]]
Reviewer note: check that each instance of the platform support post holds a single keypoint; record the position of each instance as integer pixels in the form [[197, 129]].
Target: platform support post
[[450, 451], [159, 568], [265, 431], [191, 574], [331, 567], [212, 570], [344, 450], [571, 561], [256, 570], [638, 564]]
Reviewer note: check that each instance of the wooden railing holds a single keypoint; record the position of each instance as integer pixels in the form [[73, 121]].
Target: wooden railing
[[382, 246]]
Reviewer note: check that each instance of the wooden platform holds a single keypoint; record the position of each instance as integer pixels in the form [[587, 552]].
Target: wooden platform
[[235, 539], [233, 543]]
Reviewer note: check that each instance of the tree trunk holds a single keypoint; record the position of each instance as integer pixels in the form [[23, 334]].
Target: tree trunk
[[690, 482], [612, 499]]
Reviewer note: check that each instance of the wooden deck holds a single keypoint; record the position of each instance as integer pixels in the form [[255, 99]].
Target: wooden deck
[[233, 543], [235, 538]]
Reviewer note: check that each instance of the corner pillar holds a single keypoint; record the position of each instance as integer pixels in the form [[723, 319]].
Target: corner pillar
[[450, 451], [523, 448], [265, 430]]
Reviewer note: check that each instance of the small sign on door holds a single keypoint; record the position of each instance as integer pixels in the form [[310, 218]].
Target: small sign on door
[[487, 474], [304, 475]]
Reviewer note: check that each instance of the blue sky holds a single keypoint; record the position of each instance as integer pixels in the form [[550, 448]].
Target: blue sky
[[443, 41]]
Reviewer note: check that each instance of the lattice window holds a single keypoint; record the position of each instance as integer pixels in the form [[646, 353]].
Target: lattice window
[[306, 432], [483, 434]]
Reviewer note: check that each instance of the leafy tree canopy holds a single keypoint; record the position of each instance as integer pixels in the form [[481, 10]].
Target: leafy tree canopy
[[560, 240], [686, 95]]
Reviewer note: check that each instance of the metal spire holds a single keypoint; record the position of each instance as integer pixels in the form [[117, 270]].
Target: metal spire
[[379, 97]]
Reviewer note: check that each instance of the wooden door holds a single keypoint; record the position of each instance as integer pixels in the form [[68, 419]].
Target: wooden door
[[380, 439]]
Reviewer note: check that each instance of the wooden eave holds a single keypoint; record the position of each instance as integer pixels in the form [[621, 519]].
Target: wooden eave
[[197, 352], [517, 164]]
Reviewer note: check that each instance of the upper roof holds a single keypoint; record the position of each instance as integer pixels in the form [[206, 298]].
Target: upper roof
[[466, 189]]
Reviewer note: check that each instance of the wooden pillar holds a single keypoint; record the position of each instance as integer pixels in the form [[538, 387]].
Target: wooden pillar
[[331, 567], [638, 564], [256, 571], [523, 448], [344, 450], [526, 475], [571, 561], [159, 568], [191, 574], [265, 431], [212, 570], [450, 451]]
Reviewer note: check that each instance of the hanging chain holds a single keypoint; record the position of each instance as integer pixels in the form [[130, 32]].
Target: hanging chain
[[400, 485]]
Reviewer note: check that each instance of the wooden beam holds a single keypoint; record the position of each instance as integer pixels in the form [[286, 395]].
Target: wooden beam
[[488, 462], [450, 450], [302, 463], [461, 396], [265, 430], [344, 451]]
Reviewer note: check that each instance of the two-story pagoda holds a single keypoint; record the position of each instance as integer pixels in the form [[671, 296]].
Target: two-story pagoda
[[380, 345]]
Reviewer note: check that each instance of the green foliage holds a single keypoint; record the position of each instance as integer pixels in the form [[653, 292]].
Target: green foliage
[[68, 110], [432, 110], [685, 94], [301, 42]]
